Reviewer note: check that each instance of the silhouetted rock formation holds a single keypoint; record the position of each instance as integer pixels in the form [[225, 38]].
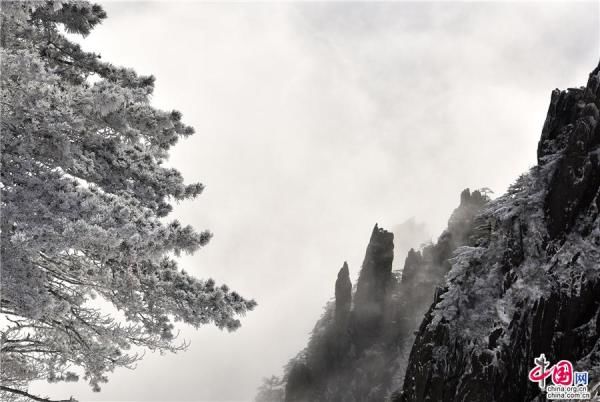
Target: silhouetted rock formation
[[343, 297], [359, 354], [372, 286], [412, 263]]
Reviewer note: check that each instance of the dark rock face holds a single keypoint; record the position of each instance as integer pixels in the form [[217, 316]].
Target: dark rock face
[[375, 273], [412, 263], [528, 281], [373, 283], [343, 296], [570, 139]]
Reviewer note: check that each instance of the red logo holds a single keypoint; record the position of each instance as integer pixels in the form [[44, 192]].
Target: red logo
[[561, 373]]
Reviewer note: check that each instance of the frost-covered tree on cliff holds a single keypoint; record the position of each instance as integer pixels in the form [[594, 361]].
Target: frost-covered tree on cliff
[[84, 201]]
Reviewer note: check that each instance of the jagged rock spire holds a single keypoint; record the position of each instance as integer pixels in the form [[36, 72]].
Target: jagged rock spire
[[373, 281], [343, 295], [412, 263]]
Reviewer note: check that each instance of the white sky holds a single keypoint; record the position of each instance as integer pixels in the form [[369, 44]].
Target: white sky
[[316, 120]]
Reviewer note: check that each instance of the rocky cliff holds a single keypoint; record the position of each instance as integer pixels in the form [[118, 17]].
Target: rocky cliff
[[528, 282], [509, 279]]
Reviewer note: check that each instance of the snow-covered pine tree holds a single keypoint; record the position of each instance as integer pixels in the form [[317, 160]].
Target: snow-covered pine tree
[[84, 201]]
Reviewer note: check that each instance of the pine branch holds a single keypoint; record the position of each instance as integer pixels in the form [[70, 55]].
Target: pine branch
[[34, 397]]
